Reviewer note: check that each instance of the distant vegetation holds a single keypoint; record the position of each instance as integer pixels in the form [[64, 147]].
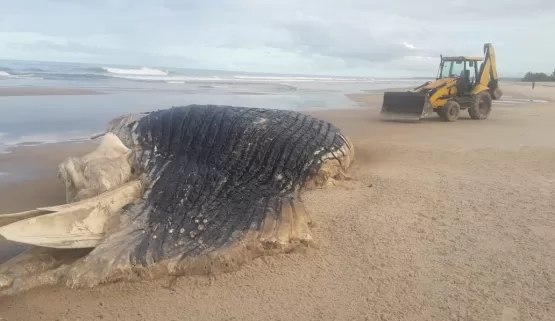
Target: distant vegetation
[[539, 76]]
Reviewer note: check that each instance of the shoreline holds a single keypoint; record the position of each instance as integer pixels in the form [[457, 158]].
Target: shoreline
[[46, 91], [19, 164], [370, 99]]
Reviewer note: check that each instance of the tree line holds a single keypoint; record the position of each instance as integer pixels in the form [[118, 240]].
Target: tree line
[[539, 76]]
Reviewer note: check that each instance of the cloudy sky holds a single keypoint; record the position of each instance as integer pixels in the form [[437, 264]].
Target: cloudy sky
[[339, 37]]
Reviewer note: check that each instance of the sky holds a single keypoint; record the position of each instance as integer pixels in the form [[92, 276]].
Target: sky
[[397, 38]]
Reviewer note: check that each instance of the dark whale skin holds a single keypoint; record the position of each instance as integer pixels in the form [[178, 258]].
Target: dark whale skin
[[213, 177]]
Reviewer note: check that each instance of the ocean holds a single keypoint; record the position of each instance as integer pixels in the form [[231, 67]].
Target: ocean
[[39, 119]]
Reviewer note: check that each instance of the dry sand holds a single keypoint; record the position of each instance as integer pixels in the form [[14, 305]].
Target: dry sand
[[443, 221]]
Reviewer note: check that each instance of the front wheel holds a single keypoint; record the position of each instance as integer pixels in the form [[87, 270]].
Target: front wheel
[[481, 107], [450, 112]]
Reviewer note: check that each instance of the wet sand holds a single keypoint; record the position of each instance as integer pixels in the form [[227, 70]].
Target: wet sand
[[443, 221], [46, 190]]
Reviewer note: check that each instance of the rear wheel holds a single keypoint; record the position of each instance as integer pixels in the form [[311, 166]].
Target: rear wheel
[[450, 112], [481, 107]]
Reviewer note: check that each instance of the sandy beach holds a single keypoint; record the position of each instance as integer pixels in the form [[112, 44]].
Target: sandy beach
[[442, 221]]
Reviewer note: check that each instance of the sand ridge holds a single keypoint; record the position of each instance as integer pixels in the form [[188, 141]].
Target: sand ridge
[[443, 221]]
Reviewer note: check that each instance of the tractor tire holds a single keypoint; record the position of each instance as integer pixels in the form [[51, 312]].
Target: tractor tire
[[450, 112], [481, 107]]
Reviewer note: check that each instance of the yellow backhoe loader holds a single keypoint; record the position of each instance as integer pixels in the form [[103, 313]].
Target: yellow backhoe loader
[[459, 85]]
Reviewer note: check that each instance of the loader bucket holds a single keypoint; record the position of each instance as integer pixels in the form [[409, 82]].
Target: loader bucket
[[404, 106]]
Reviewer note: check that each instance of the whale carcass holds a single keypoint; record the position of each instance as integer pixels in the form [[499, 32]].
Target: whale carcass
[[186, 190]]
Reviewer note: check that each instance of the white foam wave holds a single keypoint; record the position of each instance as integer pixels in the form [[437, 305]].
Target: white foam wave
[[177, 79], [170, 79], [317, 79], [302, 79], [146, 74], [517, 101], [140, 71], [5, 74], [39, 139]]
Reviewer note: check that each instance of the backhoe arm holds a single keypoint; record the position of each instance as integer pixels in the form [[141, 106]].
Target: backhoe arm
[[488, 79]]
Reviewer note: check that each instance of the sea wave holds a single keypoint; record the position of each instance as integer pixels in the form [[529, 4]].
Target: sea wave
[[301, 79], [95, 70], [139, 72], [4, 75], [21, 72], [171, 79], [175, 79], [10, 141], [73, 76]]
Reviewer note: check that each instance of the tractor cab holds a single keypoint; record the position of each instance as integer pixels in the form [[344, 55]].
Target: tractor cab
[[464, 69]]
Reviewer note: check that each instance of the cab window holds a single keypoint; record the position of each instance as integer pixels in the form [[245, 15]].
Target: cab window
[[445, 69], [472, 68]]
